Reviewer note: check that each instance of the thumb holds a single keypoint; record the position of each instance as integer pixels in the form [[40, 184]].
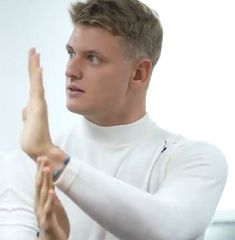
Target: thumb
[[24, 114]]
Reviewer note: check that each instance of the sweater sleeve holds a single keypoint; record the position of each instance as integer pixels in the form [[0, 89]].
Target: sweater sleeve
[[17, 218], [196, 175]]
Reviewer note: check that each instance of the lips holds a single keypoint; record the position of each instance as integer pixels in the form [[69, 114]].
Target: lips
[[74, 88]]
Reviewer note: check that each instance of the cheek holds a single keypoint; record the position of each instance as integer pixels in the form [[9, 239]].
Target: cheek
[[119, 78], [114, 88], [111, 82]]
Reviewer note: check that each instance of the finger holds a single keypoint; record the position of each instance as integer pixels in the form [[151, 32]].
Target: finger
[[38, 181], [47, 213], [50, 204], [41, 163], [33, 61], [35, 74], [36, 88], [45, 186]]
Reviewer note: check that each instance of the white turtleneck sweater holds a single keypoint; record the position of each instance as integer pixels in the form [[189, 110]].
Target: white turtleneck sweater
[[129, 182]]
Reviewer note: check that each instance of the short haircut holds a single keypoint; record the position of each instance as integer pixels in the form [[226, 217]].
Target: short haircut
[[137, 24]]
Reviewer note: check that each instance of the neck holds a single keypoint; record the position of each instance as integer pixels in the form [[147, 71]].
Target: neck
[[130, 110], [118, 135], [113, 119]]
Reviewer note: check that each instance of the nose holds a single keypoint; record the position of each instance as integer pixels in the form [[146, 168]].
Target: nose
[[73, 69]]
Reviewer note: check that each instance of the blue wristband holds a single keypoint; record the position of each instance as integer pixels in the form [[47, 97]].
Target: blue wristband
[[57, 172]]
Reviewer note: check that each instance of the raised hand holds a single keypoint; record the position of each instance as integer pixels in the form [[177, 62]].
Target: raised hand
[[52, 219], [35, 137]]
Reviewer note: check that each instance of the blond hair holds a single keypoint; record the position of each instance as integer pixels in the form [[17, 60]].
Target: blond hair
[[139, 26]]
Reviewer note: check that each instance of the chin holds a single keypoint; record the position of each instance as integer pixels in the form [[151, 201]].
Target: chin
[[73, 109], [76, 109]]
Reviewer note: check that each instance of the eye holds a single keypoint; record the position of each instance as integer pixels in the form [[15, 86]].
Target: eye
[[92, 58], [71, 54]]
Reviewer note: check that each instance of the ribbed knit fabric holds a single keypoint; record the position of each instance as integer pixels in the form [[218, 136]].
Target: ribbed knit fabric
[[129, 182]]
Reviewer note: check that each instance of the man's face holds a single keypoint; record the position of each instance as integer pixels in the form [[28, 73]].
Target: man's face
[[98, 73]]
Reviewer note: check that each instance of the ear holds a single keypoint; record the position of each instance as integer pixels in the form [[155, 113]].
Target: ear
[[142, 72]]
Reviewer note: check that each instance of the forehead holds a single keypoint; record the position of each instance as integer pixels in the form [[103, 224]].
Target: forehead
[[86, 37]]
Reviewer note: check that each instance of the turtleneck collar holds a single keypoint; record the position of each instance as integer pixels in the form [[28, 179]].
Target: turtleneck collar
[[118, 134]]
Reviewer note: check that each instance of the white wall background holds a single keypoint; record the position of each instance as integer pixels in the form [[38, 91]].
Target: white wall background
[[191, 91]]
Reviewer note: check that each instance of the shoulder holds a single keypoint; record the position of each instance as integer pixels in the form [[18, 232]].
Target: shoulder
[[198, 151], [199, 159], [194, 156]]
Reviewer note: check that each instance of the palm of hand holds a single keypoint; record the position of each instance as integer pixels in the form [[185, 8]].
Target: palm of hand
[[35, 137]]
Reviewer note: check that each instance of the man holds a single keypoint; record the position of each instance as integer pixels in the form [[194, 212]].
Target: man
[[117, 174]]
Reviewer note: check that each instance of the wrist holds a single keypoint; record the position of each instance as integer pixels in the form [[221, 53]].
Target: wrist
[[44, 150], [56, 157], [58, 171]]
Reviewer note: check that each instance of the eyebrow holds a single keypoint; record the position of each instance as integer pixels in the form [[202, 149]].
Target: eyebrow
[[69, 47]]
